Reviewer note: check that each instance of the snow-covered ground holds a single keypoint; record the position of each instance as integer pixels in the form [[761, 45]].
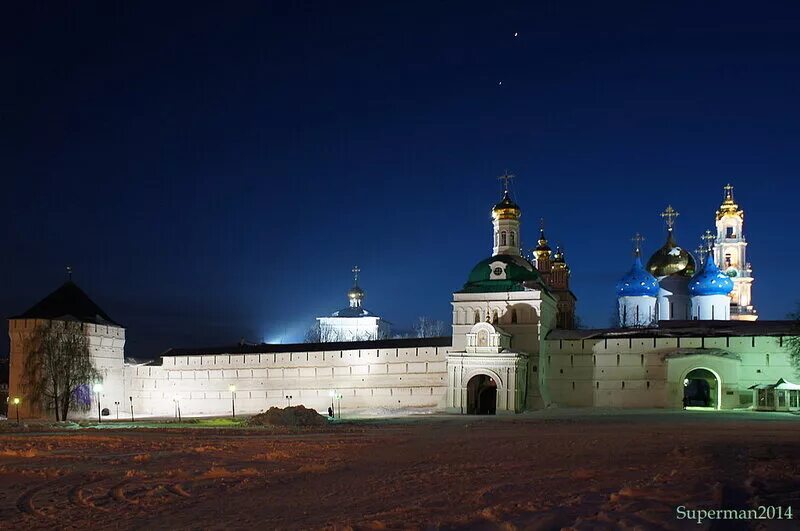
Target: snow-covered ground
[[584, 469]]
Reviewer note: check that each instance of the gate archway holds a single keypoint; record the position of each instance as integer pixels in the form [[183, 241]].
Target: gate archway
[[481, 395], [702, 388]]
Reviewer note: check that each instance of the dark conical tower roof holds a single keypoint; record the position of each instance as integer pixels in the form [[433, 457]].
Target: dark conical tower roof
[[68, 303]]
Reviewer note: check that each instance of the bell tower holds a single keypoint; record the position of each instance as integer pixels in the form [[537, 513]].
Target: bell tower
[[505, 222], [730, 253]]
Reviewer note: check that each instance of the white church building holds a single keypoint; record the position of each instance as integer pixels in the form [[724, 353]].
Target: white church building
[[687, 337]]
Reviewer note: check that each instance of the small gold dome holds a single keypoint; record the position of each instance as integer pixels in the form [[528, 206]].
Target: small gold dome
[[506, 208], [671, 259]]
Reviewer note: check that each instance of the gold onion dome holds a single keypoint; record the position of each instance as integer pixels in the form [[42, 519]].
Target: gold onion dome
[[543, 245], [559, 262], [506, 208], [671, 259], [355, 293], [729, 206]]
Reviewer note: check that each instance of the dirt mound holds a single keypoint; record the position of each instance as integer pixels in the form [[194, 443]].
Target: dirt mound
[[288, 416]]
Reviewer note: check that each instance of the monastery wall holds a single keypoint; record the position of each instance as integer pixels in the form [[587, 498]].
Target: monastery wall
[[649, 372], [389, 378]]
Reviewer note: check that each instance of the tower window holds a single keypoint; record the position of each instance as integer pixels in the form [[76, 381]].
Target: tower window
[[729, 232], [727, 259], [512, 238], [503, 238]]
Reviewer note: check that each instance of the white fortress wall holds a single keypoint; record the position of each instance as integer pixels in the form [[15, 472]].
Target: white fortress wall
[[645, 372], [387, 378]]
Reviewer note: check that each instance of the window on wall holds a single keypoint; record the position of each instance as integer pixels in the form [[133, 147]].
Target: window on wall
[[477, 316], [512, 238], [727, 259], [503, 238], [729, 232], [513, 315]]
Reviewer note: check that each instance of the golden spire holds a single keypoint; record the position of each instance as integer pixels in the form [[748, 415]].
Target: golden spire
[[637, 244], [729, 206], [543, 249]]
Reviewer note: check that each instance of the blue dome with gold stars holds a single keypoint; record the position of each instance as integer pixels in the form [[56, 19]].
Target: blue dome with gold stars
[[637, 282], [710, 280]]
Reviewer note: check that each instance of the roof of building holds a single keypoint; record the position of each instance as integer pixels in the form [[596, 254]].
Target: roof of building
[[506, 204], [272, 348], [637, 282], [710, 280], [350, 311], [685, 329], [68, 303], [780, 384], [671, 259], [513, 277]]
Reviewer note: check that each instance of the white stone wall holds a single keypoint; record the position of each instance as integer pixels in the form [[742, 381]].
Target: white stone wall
[[352, 328], [711, 307], [673, 302], [368, 379], [649, 372], [637, 311]]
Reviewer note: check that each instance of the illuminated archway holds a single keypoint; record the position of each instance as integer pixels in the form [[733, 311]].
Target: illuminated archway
[[481, 395], [702, 387]]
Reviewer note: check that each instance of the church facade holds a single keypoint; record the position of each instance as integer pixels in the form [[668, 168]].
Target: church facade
[[513, 346]]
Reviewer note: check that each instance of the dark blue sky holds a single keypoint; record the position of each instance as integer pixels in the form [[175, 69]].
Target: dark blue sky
[[214, 171]]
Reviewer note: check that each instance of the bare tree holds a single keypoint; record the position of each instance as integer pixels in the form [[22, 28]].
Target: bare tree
[[427, 327], [58, 368], [319, 333], [793, 342]]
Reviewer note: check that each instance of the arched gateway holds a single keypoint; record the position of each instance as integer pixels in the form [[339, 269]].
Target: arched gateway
[[702, 388], [481, 395]]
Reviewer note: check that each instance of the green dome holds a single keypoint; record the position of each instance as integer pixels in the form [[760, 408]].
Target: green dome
[[502, 272]]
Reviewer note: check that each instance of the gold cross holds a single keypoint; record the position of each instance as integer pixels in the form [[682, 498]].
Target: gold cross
[[669, 216], [728, 191], [708, 238], [701, 252], [356, 271], [69, 273], [637, 242], [505, 178]]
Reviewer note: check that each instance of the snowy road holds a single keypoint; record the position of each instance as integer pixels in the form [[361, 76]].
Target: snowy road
[[558, 468]]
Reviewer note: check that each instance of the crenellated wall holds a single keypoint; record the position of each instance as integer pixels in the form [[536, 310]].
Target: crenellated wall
[[649, 372], [389, 378]]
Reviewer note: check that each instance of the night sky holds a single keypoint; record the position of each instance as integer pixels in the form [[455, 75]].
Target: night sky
[[214, 171]]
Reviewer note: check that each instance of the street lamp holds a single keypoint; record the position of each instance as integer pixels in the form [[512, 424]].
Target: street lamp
[[116, 403], [332, 394], [289, 400], [16, 404], [232, 389], [98, 388], [339, 398], [131, 399]]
